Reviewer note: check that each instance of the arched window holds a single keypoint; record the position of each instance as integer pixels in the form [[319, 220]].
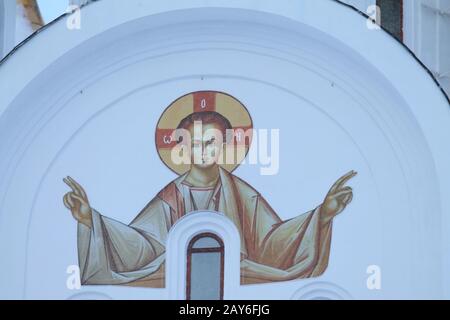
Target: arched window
[[205, 268]]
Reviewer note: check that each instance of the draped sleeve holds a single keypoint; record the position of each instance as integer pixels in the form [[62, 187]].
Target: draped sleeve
[[114, 253], [280, 250]]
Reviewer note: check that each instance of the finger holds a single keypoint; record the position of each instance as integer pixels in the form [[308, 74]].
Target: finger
[[342, 180], [79, 198], [72, 186], [69, 200], [345, 178], [345, 198], [66, 202], [349, 199], [341, 191], [78, 186]]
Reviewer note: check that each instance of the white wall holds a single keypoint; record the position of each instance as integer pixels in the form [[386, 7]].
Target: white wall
[[7, 26], [14, 26], [427, 33], [340, 93], [23, 25], [361, 5]]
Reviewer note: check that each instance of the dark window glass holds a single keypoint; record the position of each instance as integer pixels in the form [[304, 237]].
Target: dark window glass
[[392, 16]]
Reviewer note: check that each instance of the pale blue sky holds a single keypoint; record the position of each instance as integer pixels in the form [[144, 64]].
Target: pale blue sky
[[51, 9]]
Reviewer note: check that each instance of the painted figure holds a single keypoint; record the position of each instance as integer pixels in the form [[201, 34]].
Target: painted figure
[[111, 252]]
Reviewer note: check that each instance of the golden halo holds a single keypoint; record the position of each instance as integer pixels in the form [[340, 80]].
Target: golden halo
[[202, 101]]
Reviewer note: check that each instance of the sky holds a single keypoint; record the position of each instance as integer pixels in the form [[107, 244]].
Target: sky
[[51, 9]]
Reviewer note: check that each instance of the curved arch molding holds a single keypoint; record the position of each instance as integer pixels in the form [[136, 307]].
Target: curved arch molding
[[339, 82]]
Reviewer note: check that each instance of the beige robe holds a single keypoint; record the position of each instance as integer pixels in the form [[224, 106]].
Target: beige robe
[[271, 249]]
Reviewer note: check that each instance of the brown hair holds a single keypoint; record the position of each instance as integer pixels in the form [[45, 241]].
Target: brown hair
[[206, 117]]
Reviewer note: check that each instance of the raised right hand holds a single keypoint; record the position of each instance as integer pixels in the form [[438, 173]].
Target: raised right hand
[[77, 202]]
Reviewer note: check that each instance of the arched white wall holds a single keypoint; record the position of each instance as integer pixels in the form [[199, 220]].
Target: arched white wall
[[111, 80]]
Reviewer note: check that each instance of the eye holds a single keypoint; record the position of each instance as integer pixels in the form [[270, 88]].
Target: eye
[[210, 141]]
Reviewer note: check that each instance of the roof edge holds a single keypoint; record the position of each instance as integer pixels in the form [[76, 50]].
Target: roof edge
[[430, 73]]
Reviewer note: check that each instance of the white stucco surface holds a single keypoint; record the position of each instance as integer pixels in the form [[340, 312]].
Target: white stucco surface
[[343, 96]]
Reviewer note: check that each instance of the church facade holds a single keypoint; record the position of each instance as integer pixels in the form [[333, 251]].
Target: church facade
[[224, 150]]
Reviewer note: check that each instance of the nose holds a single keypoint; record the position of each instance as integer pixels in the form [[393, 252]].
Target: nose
[[204, 151]]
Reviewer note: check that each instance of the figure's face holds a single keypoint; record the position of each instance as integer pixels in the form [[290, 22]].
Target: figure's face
[[206, 144]]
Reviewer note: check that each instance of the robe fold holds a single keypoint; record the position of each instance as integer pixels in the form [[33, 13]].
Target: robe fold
[[271, 249]]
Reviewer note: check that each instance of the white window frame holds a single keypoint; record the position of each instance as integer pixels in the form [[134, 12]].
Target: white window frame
[[181, 234]]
